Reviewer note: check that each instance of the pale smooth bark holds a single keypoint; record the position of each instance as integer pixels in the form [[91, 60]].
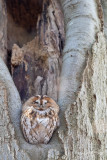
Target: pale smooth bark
[[82, 24]]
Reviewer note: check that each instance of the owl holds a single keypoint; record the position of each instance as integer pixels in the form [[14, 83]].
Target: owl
[[39, 119]]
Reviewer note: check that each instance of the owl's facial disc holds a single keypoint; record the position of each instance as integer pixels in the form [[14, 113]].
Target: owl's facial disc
[[36, 101], [41, 104]]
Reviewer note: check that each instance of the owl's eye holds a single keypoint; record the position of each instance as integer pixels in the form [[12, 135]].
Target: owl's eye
[[44, 102], [36, 102]]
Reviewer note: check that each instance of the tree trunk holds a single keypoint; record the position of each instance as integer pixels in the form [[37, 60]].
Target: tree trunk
[[77, 77]]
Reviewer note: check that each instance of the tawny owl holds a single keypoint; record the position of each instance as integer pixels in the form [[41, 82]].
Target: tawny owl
[[39, 119]]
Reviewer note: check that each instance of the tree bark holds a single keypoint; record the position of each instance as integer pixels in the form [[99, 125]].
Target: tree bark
[[3, 31], [81, 23], [9, 147], [86, 117], [82, 94], [104, 6], [10, 103]]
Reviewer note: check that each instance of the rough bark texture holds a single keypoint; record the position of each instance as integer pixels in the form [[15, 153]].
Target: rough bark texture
[[9, 148], [86, 119]]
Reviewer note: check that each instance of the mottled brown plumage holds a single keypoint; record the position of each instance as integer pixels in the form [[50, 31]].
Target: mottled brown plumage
[[39, 119]]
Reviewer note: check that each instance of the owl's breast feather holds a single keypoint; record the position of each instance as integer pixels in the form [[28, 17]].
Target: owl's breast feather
[[43, 121]]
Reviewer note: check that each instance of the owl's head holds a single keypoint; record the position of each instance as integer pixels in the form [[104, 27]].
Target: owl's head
[[42, 103]]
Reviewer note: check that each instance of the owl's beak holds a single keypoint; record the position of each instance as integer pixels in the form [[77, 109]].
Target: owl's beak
[[41, 108]]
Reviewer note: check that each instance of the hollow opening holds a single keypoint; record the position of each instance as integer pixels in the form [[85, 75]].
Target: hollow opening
[[22, 17], [35, 40]]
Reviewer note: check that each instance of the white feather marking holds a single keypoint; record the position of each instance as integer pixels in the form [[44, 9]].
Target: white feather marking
[[43, 121]]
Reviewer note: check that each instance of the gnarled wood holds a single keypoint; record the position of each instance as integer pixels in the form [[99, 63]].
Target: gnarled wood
[[36, 66]]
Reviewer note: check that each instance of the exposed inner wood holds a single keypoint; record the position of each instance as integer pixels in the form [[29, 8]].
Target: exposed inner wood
[[36, 65]]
